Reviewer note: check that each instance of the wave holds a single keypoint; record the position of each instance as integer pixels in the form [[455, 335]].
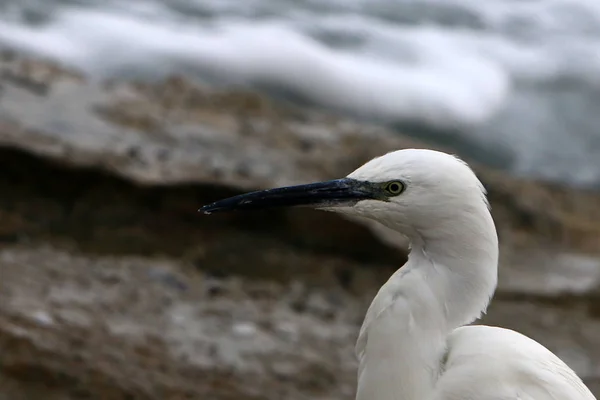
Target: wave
[[447, 87], [517, 77]]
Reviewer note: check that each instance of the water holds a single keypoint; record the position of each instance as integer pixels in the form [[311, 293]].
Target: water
[[519, 77]]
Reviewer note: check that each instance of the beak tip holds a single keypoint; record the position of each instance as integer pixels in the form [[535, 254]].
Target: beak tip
[[206, 210]]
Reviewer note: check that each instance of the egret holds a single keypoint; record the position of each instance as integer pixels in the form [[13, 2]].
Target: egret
[[416, 341]]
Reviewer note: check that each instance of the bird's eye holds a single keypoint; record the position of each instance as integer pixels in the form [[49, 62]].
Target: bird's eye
[[394, 188]]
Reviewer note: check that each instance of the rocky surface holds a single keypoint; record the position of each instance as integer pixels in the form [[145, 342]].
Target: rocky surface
[[112, 285]]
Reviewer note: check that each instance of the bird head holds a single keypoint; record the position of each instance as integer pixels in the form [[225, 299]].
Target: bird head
[[410, 190]]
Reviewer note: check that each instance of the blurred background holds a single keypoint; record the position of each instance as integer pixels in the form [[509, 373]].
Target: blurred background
[[118, 120]]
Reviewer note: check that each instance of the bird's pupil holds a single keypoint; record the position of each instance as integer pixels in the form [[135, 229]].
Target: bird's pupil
[[394, 188]]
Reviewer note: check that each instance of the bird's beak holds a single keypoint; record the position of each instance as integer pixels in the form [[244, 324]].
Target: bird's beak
[[335, 193]]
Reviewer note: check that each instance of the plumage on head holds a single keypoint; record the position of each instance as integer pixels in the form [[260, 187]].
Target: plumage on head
[[423, 167], [438, 188]]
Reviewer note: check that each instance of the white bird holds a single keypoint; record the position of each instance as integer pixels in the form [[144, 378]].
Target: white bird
[[414, 343]]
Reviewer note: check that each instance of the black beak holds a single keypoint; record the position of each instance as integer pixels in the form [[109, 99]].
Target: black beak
[[335, 193]]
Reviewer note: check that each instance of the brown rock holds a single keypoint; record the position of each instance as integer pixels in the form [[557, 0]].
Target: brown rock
[[104, 328]]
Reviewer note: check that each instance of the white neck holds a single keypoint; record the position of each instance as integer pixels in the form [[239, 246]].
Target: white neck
[[447, 282]]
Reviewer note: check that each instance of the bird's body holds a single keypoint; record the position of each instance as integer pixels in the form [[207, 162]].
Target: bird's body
[[415, 342], [403, 355], [486, 362]]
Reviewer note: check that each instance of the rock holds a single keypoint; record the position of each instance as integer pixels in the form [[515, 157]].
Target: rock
[[176, 132], [549, 273], [64, 328], [128, 343], [113, 286]]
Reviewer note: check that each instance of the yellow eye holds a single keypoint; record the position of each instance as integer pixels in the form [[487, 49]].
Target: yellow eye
[[394, 188]]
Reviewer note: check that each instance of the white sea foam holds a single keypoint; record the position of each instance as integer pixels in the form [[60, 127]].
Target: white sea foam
[[520, 74], [445, 85]]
